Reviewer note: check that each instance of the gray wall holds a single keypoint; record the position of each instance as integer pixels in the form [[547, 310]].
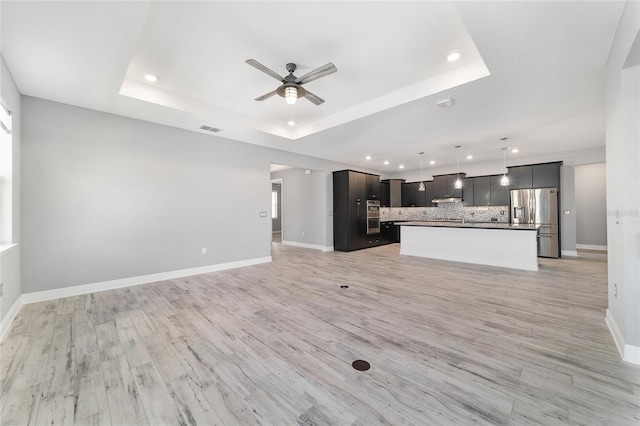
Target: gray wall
[[591, 205], [305, 206], [623, 178], [10, 262], [568, 203], [276, 224], [107, 197]]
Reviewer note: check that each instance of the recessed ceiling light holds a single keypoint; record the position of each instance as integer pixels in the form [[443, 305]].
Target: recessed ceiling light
[[150, 77], [368, 157], [291, 123], [386, 162], [432, 162], [445, 103], [401, 166], [469, 157], [453, 56], [515, 150]]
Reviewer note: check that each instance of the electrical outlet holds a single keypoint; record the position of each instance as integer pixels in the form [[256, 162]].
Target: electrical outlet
[[263, 214], [303, 233], [204, 250], [1, 289], [615, 290]]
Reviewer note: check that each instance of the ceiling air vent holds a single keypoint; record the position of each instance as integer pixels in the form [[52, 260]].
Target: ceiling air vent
[[209, 129]]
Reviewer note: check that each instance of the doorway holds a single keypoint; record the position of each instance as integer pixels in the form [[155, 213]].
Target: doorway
[[276, 210]]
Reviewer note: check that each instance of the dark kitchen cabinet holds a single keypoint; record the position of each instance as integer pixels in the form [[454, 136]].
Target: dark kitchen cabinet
[[467, 191], [411, 197], [356, 184], [546, 175], [389, 233], [444, 186], [391, 192], [350, 210], [385, 193], [482, 191], [500, 195], [373, 187], [410, 194], [520, 177]]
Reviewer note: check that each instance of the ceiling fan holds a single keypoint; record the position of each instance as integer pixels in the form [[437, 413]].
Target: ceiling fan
[[291, 88]]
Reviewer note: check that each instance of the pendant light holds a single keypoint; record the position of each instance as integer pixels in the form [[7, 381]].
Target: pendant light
[[421, 186], [458, 184], [504, 180]]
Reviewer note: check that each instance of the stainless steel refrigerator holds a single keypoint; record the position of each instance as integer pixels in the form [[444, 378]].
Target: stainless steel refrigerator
[[538, 206]]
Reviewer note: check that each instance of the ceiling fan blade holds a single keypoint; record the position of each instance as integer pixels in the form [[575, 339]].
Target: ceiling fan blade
[[264, 69], [317, 73], [313, 98], [266, 96]]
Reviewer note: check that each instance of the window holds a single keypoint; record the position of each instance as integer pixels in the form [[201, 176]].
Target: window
[[6, 176], [274, 204]]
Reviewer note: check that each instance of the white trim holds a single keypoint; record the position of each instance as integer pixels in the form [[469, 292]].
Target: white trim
[[6, 248], [591, 247], [572, 253], [628, 353], [40, 296], [11, 315], [309, 246]]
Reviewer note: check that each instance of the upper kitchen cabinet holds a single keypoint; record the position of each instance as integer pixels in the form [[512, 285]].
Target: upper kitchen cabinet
[[500, 195], [545, 175], [355, 182], [467, 191], [482, 191], [444, 186], [411, 197], [373, 187], [391, 192]]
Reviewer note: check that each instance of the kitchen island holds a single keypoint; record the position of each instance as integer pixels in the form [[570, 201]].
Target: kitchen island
[[496, 244]]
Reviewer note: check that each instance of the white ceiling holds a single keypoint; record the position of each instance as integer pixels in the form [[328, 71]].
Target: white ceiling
[[532, 71]]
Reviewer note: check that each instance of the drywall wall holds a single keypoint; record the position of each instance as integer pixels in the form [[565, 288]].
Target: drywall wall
[[567, 210], [591, 205], [107, 197], [304, 206], [276, 224], [623, 184], [10, 261]]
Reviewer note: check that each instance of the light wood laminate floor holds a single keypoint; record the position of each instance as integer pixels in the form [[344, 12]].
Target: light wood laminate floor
[[448, 343]]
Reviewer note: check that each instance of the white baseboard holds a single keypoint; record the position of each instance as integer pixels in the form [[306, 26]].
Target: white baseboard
[[628, 353], [572, 253], [591, 247], [309, 246], [11, 315], [40, 296]]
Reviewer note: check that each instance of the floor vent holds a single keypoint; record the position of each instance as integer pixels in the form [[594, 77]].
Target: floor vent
[[209, 129], [361, 365]]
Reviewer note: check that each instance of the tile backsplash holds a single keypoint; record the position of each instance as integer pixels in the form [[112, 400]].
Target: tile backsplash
[[446, 211]]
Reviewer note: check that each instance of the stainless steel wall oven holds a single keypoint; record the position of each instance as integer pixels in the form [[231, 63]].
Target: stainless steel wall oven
[[373, 217]]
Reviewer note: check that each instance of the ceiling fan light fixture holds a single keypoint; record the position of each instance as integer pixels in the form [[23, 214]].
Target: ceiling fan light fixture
[[291, 95]]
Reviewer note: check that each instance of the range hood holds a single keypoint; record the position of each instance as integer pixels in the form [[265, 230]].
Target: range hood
[[447, 200]]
